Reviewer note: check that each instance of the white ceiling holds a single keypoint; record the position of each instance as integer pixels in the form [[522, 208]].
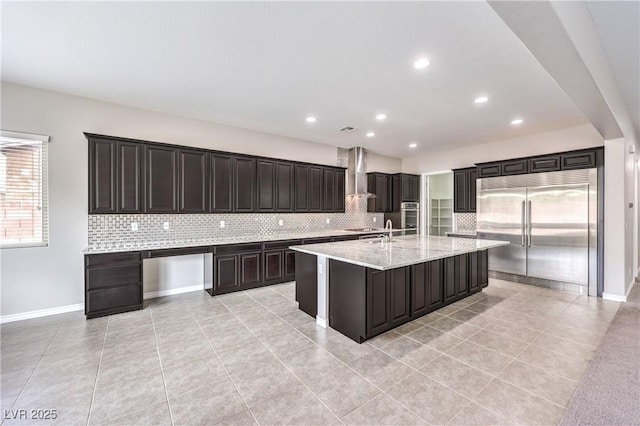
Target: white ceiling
[[267, 65]]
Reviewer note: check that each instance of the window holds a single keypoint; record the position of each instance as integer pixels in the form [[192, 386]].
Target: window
[[23, 190]]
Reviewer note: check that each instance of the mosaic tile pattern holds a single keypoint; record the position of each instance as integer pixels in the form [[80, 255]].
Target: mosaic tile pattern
[[116, 229], [465, 222]]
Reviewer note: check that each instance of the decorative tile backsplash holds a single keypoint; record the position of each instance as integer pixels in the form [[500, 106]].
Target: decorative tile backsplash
[[465, 222], [116, 229]]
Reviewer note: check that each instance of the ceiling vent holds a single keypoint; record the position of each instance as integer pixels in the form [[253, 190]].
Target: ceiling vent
[[348, 129]]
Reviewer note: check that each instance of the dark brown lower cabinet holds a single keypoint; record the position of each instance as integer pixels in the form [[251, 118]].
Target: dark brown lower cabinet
[[273, 265], [236, 267], [306, 283], [289, 265], [113, 283], [226, 273], [426, 287]]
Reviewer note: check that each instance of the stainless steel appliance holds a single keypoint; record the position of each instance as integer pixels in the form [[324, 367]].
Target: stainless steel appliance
[[550, 219], [410, 217]]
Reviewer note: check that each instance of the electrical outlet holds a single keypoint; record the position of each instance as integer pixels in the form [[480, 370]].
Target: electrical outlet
[[134, 226], [222, 224], [374, 219], [280, 222], [166, 225], [328, 220]]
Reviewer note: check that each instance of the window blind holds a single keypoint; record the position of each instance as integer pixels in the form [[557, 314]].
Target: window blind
[[24, 219]]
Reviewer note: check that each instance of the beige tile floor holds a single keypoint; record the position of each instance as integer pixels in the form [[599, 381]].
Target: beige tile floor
[[512, 354]]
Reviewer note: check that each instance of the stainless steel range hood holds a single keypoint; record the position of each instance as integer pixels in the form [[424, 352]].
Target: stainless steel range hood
[[357, 174]]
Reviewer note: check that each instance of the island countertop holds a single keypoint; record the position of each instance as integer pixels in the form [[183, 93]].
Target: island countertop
[[401, 251]]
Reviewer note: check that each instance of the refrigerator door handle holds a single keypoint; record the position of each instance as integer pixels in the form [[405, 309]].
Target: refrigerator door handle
[[522, 225], [529, 223]]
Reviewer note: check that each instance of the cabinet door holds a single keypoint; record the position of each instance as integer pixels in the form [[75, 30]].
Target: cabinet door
[[289, 265], [339, 192], [378, 317], [450, 290], [273, 266], [483, 260], [194, 181], [472, 175], [225, 273], [550, 163], [250, 270], [407, 189], [436, 284], [415, 188], [302, 188], [329, 190], [460, 195], [244, 179], [381, 193], [461, 279], [102, 176], [474, 273], [221, 183], [399, 295], [284, 187], [266, 185], [129, 177], [514, 167], [578, 160], [489, 170], [161, 173], [315, 189], [419, 290], [397, 191]]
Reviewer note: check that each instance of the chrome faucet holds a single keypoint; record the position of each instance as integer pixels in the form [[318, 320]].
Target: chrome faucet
[[388, 226]]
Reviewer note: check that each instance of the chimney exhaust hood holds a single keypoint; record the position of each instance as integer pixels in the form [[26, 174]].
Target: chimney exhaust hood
[[357, 174]]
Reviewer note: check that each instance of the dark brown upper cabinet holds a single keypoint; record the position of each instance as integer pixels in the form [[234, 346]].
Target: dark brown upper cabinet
[[464, 190], [315, 189], [266, 185], [221, 183], [381, 185], [406, 189], [161, 179], [115, 176], [340, 192], [578, 160], [549, 163], [102, 176], [244, 182], [514, 167], [301, 188], [193, 181], [129, 168], [284, 186], [329, 201], [489, 170]]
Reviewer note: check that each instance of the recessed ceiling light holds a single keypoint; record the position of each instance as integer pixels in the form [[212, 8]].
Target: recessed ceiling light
[[413, 145], [370, 134], [421, 63], [517, 121], [381, 117], [311, 119], [481, 100]]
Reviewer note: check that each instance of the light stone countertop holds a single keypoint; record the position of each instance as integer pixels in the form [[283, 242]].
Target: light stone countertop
[[401, 251], [231, 239]]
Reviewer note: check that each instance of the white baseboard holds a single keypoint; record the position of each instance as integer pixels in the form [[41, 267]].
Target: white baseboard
[[614, 297], [41, 313], [172, 291]]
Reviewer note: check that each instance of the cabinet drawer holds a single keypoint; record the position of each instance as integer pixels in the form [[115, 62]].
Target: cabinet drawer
[[316, 240], [113, 298], [582, 160], [345, 238], [237, 248], [489, 170], [114, 276], [544, 164], [514, 167], [281, 244], [111, 258]]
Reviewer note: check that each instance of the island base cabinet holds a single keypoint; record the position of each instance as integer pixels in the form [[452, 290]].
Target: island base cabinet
[[306, 270], [364, 302]]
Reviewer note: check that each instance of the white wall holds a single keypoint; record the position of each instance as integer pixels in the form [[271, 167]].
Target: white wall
[[584, 136], [40, 278], [382, 163]]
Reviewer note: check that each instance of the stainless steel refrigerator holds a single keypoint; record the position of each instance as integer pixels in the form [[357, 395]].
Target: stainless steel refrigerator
[[549, 220]]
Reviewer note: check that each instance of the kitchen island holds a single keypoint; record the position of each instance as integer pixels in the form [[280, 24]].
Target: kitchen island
[[366, 287]]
